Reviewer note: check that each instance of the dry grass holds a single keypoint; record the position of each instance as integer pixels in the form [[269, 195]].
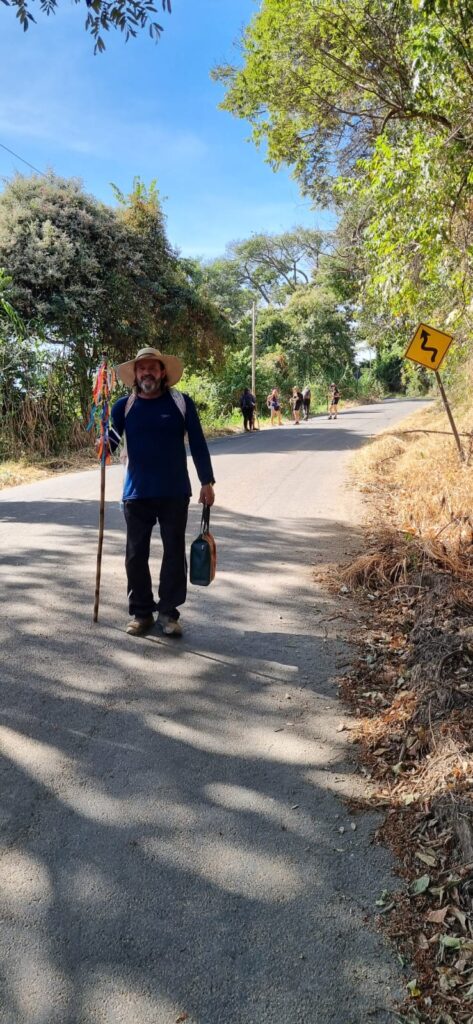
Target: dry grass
[[430, 492], [412, 688], [22, 471]]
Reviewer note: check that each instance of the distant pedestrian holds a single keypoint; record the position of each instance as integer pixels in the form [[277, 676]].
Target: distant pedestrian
[[296, 403], [333, 400], [248, 406], [274, 405], [306, 397]]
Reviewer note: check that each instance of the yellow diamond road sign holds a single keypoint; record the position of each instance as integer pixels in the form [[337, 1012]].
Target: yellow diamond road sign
[[428, 346]]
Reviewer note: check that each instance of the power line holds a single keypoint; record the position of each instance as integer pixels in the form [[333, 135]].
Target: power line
[[18, 157]]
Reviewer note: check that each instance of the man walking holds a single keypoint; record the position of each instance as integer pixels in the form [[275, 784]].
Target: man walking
[[155, 419], [247, 406]]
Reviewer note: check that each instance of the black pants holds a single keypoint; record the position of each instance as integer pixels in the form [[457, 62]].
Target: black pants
[[141, 516], [248, 415], [306, 404]]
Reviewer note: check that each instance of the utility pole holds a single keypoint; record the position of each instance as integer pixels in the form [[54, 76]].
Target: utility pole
[[253, 349]]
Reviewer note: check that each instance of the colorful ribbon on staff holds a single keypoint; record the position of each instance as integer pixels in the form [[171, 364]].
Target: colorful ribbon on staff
[[104, 382]]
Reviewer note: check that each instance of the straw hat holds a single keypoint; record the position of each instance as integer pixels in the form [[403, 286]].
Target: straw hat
[[173, 366]]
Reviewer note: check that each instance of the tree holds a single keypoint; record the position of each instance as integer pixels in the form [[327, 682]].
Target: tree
[[90, 277], [370, 103], [272, 266], [323, 79], [168, 307], [127, 16]]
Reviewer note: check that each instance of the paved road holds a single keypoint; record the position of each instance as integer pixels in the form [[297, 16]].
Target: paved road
[[170, 810]]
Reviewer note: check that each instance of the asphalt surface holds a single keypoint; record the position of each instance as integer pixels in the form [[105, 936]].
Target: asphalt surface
[[174, 845]]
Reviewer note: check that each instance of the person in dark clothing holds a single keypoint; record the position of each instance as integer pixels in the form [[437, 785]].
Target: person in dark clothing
[[296, 403], [333, 399], [155, 418], [248, 406], [306, 397]]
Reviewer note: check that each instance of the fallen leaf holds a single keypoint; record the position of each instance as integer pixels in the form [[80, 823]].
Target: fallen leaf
[[451, 942], [414, 988], [419, 885], [182, 1017], [426, 858], [437, 916], [460, 916]]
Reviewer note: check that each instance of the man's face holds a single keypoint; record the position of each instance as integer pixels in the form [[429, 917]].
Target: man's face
[[149, 373]]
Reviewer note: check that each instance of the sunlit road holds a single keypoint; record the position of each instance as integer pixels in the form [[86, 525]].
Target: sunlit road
[[174, 846]]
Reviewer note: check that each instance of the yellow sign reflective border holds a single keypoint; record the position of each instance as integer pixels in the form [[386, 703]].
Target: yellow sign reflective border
[[428, 347]]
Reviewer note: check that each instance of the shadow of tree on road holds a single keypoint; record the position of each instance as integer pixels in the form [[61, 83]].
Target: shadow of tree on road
[[171, 837]]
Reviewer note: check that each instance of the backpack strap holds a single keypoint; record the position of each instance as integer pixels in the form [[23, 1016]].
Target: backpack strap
[[179, 400]]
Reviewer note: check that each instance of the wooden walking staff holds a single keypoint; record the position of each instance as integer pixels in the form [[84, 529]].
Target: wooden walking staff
[[100, 416]]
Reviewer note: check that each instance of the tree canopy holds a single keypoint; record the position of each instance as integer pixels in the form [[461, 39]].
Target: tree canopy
[[89, 277], [370, 103], [127, 16]]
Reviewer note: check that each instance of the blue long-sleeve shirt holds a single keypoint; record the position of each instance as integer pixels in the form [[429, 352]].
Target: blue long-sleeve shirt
[[157, 459]]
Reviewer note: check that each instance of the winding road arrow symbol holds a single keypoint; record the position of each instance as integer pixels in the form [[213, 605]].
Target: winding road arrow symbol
[[428, 348]]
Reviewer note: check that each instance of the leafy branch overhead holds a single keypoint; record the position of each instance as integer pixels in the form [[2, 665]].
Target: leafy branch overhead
[[371, 102], [128, 16]]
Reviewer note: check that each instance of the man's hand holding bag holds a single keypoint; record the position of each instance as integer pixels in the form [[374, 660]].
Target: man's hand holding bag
[[203, 554]]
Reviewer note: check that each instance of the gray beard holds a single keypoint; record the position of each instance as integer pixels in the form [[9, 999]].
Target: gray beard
[[150, 387]]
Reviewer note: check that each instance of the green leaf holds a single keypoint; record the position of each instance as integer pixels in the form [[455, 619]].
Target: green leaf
[[450, 942], [419, 885]]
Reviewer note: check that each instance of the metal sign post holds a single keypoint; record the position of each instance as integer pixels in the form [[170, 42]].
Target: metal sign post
[[429, 348], [449, 414]]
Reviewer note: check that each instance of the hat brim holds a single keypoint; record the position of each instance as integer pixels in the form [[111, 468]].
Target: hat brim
[[173, 366]]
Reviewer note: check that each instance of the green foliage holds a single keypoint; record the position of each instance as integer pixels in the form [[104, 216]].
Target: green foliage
[[369, 386], [370, 103], [203, 389], [39, 410], [127, 16], [94, 278]]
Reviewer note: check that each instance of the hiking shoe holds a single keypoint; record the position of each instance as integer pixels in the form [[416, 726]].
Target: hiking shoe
[[139, 626], [171, 627]]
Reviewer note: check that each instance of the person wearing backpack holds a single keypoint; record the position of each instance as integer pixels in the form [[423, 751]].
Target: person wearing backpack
[[155, 419], [248, 406]]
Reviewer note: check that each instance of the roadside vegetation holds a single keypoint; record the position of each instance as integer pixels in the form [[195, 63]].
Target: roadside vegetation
[[411, 688], [81, 278]]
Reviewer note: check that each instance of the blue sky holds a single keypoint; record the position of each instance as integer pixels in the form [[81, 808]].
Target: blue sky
[[144, 109]]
